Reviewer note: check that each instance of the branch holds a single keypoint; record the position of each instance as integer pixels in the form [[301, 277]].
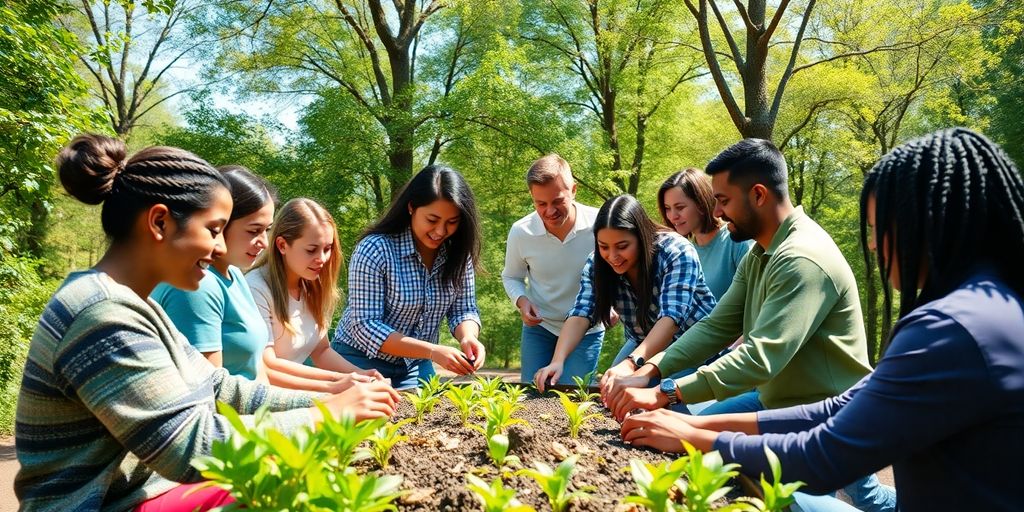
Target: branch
[[737, 57], [767, 35], [378, 71], [380, 24], [743, 14], [738, 119], [781, 90], [807, 119]]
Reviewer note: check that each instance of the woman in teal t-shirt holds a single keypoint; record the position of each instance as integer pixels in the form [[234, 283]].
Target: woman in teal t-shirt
[[220, 319], [687, 205]]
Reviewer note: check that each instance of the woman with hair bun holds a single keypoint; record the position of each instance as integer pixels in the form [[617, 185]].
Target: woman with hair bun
[[114, 402]]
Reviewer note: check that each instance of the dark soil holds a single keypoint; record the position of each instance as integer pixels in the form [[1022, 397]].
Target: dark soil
[[441, 451]]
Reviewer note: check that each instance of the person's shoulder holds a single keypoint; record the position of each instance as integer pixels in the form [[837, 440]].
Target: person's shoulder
[[525, 226], [984, 304], [588, 212], [672, 243], [257, 280], [376, 244]]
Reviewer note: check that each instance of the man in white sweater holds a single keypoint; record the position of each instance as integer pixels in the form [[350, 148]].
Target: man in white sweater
[[544, 256]]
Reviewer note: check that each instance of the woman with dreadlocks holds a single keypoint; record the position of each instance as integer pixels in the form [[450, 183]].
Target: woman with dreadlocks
[[944, 215]]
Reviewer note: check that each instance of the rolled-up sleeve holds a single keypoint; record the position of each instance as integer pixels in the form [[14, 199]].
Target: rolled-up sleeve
[[367, 287], [464, 307]]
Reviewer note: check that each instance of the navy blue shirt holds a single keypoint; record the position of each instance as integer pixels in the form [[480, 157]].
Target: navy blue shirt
[[944, 407]]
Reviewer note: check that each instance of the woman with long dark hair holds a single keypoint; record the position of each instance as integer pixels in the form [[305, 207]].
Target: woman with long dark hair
[[650, 276], [944, 216], [411, 269]]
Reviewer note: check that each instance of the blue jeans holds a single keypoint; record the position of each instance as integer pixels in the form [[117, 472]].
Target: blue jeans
[[401, 375], [538, 347], [867, 494]]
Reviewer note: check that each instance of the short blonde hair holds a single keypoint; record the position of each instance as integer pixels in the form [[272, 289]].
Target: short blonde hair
[[548, 167]]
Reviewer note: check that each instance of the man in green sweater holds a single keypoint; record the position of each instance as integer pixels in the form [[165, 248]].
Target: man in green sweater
[[793, 300]]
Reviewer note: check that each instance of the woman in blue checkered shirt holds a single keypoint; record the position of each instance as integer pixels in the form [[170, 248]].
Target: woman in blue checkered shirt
[[411, 269], [639, 267]]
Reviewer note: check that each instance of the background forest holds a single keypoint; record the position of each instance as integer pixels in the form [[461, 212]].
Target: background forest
[[343, 100]]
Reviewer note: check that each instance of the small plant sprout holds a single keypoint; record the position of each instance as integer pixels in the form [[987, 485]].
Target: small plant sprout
[[706, 478], [654, 483], [555, 483], [434, 386], [488, 388], [582, 392], [777, 496], [344, 435], [423, 400], [497, 448], [498, 417], [515, 393], [384, 439], [496, 497], [464, 399], [576, 412], [363, 493]]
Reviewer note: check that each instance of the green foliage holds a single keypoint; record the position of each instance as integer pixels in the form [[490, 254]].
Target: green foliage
[[498, 417], [343, 436], [488, 388], [576, 413], [777, 496], [496, 497], [515, 393], [497, 448], [582, 392], [306, 471], [422, 400], [555, 483], [384, 439], [706, 479], [464, 399], [654, 483]]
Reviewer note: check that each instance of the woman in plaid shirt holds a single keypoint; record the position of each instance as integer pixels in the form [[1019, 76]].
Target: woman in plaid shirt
[[650, 276], [411, 269]]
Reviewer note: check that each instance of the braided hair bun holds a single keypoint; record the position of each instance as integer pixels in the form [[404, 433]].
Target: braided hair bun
[[89, 165]]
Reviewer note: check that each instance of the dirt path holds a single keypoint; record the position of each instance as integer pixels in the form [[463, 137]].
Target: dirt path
[[8, 468]]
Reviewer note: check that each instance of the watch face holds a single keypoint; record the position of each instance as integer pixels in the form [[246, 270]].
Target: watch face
[[668, 386]]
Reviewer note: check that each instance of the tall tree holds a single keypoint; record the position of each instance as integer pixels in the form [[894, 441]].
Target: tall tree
[[133, 46], [625, 60]]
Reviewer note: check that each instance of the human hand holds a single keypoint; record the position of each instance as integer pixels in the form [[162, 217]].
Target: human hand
[[547, 375], [615, 386], [636, 398], [613, 319], [451, 359], [346, 380], [528, 312], [664, 431], [365, 400], [623, 369], [474, 352]]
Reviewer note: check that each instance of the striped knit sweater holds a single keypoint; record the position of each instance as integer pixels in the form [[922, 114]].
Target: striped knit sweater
[[115, 403]]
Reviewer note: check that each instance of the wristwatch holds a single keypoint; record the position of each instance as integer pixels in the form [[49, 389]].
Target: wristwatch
[[637, 361], [668, 388]]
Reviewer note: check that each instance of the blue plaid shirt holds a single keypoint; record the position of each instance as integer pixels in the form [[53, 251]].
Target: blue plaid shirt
[[679, 291], [390, 290]]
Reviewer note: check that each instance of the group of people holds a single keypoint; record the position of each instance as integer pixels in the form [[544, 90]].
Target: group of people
[[742, 319]]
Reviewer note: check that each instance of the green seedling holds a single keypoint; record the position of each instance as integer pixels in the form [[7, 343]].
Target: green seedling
[[464, 399], [488, 388], [555, 483], [423, 400], [498, 417], [497, 448], [777, 496], [654, 483], [576, 412], [582, 392], [363, 493], [384, 439], [515, 393], [434, 386], [342, 437], [706, 478], [496, 497]]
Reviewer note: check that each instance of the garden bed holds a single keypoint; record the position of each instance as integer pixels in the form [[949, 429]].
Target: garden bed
[[440, 451]]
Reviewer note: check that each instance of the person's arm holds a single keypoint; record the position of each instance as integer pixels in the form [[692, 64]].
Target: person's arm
[[513, 275], [932, 367], [133, 387], [798, 298], [578, 321], [464, 315], [325, 358]]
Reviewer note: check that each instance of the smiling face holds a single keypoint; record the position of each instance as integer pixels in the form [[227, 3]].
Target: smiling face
[[246, 237], [553, 203], [619, 248], [732, 204], [306, 256], [434, 223], [682, 212], [193, 244]]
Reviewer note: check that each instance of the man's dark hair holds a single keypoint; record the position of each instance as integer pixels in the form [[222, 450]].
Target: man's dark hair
[[753, 161]]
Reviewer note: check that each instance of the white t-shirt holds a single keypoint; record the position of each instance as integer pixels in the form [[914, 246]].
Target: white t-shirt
[[294, 347], [547, 270]]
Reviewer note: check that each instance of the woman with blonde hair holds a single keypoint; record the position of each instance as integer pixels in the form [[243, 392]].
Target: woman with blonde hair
[[295, 288]]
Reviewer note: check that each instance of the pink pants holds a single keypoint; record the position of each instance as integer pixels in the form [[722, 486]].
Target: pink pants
[[175, 500]]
